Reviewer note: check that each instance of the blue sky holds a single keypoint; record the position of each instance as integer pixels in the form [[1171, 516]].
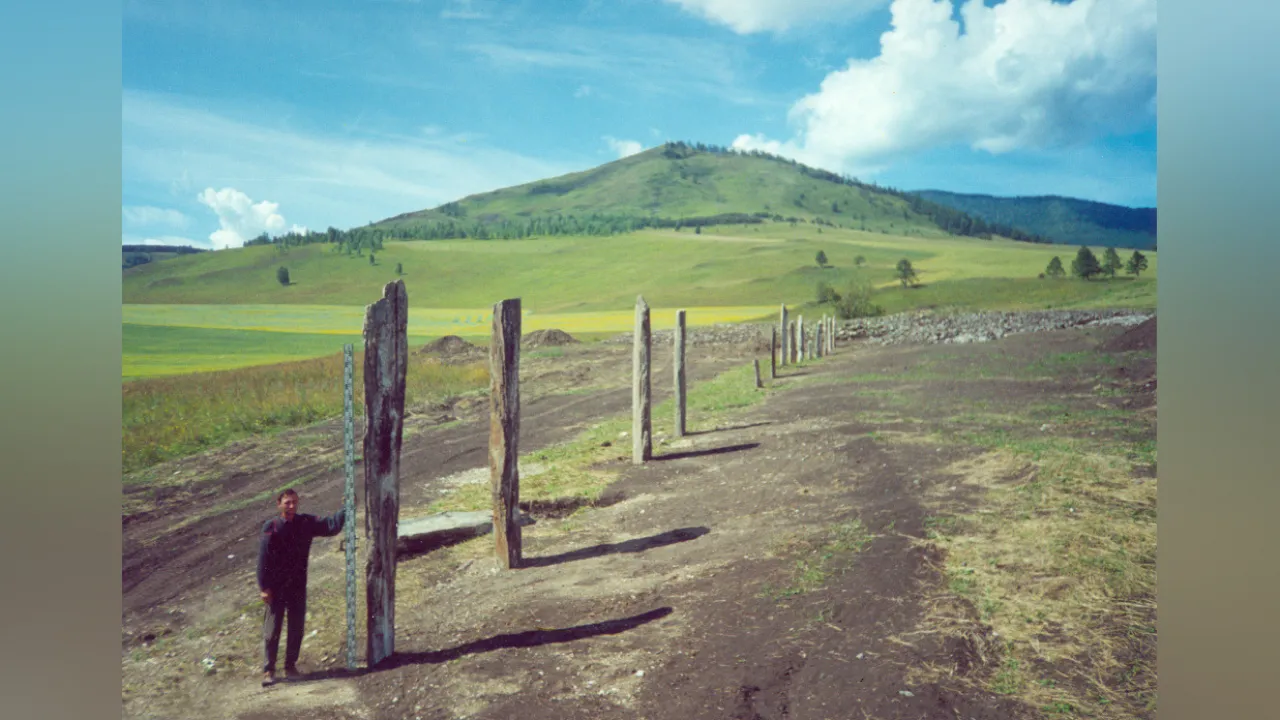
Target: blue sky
[[244, 117]]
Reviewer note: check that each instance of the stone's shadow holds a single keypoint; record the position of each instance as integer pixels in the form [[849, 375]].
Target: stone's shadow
[[528, 638], [709, 451], [636, 545], [691, 433]]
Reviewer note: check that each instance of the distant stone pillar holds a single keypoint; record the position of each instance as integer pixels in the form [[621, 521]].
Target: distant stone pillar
[[791, 343], [818, 344], [783, 325], [800, 333], [773, 354]]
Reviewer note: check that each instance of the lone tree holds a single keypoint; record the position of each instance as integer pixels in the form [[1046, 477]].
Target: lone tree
[[906, 273], [370, 257], [822, 259], [1055, 268], [282, 274], [860, 260], [1136, 264], [827, 294], [1111, 262], [399, 268], [1086, 264]]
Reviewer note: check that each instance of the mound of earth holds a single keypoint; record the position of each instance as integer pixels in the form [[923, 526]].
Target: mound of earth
[[548, 338], [1139, 337], [448, 346]]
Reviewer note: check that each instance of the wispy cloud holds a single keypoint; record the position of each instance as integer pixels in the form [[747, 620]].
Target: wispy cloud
[[149, 216], [647, 63], [323, 180], [582, 91], [752, 16], [1029, 74], [463, 10]]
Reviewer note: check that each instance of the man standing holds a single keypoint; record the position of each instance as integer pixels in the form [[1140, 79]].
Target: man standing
[[282, 577]]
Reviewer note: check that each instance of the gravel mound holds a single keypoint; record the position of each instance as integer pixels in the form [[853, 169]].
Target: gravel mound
[[448, 345], [548, 338], [1139, 337], [452, 350]]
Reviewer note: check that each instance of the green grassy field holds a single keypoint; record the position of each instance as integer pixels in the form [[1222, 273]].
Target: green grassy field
[[178, 319], [176, 339], [722, 267]]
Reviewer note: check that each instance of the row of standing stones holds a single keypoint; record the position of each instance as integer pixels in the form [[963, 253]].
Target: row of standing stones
[[922, 327]]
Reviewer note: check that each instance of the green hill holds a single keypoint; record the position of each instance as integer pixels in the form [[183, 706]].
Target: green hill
[[679, 185], [1060, 219]]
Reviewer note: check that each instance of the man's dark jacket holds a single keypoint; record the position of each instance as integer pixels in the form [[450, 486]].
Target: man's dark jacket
[[285, 547]]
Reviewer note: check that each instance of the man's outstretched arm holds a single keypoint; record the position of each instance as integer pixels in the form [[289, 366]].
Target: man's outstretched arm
[[331, 525]]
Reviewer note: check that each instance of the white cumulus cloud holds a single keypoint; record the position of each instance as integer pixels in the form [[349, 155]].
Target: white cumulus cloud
[[240, 218], [623, 148], [751, 16], [1025, 74]]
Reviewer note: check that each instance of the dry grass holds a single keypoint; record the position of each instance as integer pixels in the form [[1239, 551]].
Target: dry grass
[[166, 418], [1059, 564]]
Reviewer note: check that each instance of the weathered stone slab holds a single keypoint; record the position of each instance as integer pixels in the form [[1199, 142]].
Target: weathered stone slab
[[447, 528]]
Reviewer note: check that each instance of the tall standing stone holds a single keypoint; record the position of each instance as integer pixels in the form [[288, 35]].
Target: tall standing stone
[[641, 421], [791, 343], [800, 333], [385, 363], [820, 338], [504, 430]]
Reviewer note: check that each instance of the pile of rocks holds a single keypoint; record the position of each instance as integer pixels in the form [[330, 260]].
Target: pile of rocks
[[928, 327]]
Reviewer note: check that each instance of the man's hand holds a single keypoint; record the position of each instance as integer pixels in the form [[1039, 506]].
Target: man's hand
[[266, 596]]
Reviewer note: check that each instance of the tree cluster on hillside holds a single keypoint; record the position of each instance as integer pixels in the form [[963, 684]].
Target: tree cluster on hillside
[[948, 219], [135, 255], [359, 240], [175, 249]]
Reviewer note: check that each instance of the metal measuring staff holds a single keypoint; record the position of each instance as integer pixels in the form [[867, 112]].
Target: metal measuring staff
[[349, 503]]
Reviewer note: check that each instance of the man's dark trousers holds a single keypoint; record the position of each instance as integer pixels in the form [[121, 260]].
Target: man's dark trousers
[[293, 604]]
